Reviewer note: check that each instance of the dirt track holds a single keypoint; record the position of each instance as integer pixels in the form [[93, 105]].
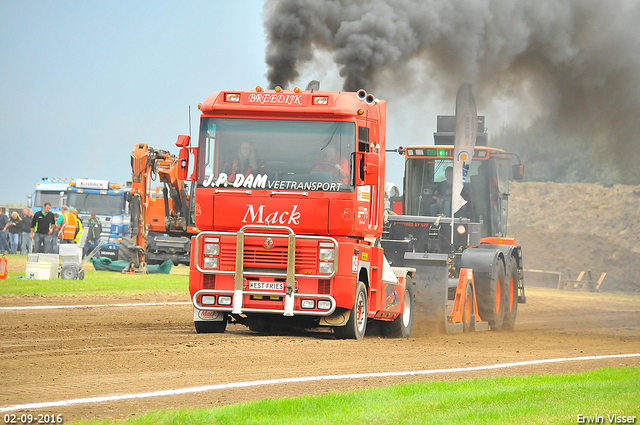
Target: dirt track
[[62, 354]]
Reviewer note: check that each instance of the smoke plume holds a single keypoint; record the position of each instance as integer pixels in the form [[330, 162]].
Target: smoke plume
[[576, 60]]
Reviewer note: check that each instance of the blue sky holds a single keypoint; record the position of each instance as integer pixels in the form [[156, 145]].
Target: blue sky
[[81, 82]]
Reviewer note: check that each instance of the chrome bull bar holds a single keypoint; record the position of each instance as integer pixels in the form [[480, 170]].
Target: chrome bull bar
[[290, 274]]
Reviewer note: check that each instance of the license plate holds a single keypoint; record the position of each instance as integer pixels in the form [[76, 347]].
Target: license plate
[[269, 286]]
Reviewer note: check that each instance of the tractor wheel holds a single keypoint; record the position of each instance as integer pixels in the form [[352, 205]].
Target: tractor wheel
[[69, 271], [357, 323], [491, 292], [468, 318], [401, 326], [511, 305], [209, 327]]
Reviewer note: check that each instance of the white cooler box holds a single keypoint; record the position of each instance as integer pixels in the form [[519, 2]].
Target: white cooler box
[[41, 270]]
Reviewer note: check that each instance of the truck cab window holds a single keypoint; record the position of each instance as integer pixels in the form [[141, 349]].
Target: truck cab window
[[277, 154]]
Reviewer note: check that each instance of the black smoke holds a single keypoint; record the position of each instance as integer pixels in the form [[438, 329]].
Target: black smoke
[[577, 61]]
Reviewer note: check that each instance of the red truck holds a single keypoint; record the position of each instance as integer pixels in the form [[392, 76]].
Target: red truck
[[289, 201]]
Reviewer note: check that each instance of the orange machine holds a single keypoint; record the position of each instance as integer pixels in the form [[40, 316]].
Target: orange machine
[[161, 218]]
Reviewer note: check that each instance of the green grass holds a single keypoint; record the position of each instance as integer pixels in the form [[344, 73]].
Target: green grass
[[94, 283], [534, 399]]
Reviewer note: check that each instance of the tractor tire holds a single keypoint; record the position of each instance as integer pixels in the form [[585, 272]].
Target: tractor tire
[[468, 318], [401, 326], [357, 324], [511, 305], [208, 327], [491, 292], [69, 271]]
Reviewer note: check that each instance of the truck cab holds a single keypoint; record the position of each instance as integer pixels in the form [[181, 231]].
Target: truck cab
[[110, 202], [289, 203]]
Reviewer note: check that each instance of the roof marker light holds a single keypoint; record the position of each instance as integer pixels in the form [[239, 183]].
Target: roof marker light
[[321, 100], [296, 90], [278, 89], [258, 89]]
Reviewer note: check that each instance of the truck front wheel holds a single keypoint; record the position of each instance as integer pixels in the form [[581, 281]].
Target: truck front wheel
[[357, 323], [401, 326], [210, 327]]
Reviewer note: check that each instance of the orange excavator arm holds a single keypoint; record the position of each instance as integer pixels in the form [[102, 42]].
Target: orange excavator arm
[[147, 164]]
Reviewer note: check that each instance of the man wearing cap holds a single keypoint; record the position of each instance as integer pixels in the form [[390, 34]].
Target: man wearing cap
[[67, 225]]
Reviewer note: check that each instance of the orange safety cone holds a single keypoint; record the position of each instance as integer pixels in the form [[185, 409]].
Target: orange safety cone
[[3, 267]]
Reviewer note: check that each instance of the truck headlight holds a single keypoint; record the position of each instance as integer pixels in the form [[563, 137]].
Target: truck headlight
[[325, 268], [211, 249], [211, 262], [308, 304], [224, 300], [327, 254], [208, 300], [324, 305]]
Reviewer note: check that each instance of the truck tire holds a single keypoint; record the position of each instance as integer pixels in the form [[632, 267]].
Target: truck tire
[[208, 327], [468, 318], [491, 292], [357, 324], [511, 305], [401, 326]]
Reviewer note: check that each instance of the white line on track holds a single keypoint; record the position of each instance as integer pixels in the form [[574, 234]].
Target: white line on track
[[44, 307], [188, 390]]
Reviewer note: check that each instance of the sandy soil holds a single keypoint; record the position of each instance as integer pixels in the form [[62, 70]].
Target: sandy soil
[[579, 226], [61, 354]]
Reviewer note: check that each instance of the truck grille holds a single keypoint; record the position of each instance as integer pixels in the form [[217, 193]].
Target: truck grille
[[256, 256], [208, 281]]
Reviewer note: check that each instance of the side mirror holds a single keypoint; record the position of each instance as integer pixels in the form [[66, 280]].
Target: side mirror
[[183, 141], [183, 156], [517, 171]]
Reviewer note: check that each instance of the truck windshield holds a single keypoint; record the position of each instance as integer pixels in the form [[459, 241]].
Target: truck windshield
[[53, 197], [277, 154], [85, 203]]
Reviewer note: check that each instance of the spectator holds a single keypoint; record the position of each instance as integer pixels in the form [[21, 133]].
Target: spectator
[[79, 230], [25, 243], [14, 226], [42, 226], [94, 229], [52, 242], [67, 225], [4, 245]]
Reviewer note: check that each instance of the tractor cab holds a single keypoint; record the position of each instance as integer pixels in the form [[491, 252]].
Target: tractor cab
[[427, 186], [428, 181]]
